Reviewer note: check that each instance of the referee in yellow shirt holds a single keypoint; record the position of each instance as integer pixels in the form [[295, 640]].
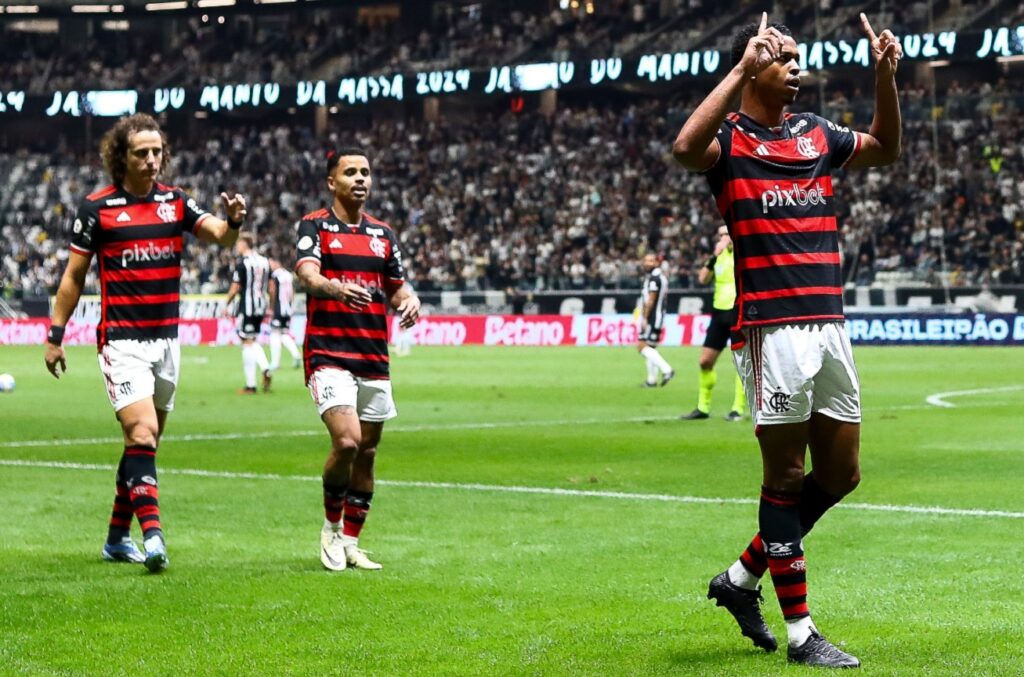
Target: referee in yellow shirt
[[723, 316]]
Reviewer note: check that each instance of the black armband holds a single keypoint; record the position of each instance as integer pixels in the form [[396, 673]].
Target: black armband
[[711, 262], [234, 225], [55, 335]]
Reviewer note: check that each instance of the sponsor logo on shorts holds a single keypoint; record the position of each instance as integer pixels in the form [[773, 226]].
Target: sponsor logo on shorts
[[125, 388], [327, 393]]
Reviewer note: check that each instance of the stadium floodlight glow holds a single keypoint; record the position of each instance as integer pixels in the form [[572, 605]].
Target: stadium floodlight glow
[[163, 6], [23, 9], [1010, 59], [215, 3], [939, 63], [91, 9], [273, 2]]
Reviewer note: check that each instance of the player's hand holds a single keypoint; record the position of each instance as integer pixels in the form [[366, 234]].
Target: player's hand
[[355, 296], [234, 206], [720, 246], [762, 49], [409, 310], [885, 48], [55, 356]]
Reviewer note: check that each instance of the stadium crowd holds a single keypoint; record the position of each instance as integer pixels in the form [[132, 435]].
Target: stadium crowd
[[569, 201]]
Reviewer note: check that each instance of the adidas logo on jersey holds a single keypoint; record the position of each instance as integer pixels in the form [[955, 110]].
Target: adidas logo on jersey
[[123, 217], [761, 150], [335, 244]]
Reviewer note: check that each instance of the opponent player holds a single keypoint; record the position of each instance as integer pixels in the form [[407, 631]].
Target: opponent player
[[771, 174], [723, 316], [351, 267], [282, 296], [653, 294], [249, 286], [135, 225]]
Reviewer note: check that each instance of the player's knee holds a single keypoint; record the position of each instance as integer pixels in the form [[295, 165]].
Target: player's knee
[[706, 364], [367, 454], [142, 434], [344, 445], [849, 482], [788, 480]]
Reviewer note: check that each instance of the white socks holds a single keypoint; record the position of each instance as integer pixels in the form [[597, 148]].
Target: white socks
[[800, 630], [253, 357], [276, 339], [652, 373], [741, 578], [654, 357]]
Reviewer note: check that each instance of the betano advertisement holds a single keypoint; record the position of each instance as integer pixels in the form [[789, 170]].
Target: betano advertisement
[[202, 324]]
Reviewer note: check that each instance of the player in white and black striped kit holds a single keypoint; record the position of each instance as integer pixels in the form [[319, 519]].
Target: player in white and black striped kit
[[249, 285], [282, 295], [653, 296]]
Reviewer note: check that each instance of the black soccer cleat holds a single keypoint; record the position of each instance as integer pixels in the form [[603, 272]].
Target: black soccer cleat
[[745, 607], [695, 415], [819, 652], [666, 377], [733, 416]]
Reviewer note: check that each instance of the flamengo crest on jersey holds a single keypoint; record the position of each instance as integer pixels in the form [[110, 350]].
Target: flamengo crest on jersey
[[138, 243], [773, 188], [368, 255]]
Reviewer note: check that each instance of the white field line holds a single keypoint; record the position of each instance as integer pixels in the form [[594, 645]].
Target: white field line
[[428, 427], [939, 399], [319, 432], [547, 491]]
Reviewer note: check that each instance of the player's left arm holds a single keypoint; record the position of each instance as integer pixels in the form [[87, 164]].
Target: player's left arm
[[401, 297], [406, 304], [215, 230], [651, 299], [882, 145]]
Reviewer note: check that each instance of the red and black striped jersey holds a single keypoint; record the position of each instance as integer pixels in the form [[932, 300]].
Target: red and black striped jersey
[[366, 254], [773, 187], [138, 241]]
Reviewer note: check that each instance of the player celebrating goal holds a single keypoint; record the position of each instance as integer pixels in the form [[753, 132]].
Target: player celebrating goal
[[771, 174], [351, 267], [135, 225]]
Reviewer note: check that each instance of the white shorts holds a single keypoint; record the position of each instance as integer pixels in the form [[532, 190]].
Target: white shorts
[[134, 370], [791, 371], [371, 397]]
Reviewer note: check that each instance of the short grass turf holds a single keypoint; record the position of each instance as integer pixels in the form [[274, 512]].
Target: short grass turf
[[607, 578]]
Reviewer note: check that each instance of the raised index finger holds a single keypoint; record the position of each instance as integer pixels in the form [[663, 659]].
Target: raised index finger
[[866, 25], [764, 22]]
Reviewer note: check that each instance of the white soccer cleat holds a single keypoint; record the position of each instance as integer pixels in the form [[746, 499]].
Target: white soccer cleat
[[332, 549], [357, 559]]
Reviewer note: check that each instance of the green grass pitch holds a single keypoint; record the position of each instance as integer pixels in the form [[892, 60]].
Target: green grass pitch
[[607, 578]]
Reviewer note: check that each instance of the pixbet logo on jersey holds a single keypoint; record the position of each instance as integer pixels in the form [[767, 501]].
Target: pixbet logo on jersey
[[797, 197], [148, 252]]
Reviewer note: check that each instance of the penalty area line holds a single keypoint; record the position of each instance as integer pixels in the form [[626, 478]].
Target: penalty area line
[[546, 491], [939, 399]]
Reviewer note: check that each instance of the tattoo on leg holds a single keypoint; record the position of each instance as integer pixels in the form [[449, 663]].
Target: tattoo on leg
[[343, 409]]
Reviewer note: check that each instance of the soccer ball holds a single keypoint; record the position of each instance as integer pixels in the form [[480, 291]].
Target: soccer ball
[[6, 383]]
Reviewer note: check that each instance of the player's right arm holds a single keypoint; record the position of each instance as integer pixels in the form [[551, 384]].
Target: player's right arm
[[85, 237], [307, 269], [696, 147]]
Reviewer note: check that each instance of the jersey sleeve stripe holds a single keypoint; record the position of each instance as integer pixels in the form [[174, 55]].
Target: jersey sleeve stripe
[[307, 259], [857, 143], [199, 222], [80, 250]]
